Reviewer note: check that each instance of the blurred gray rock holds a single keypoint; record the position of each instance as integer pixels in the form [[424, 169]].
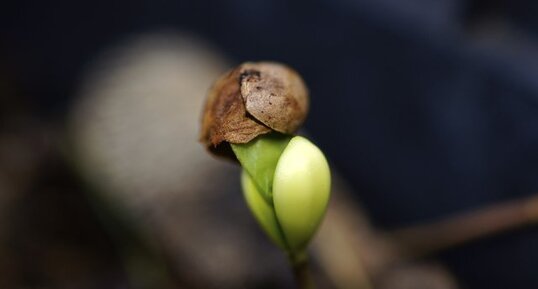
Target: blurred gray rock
[[134, 131]]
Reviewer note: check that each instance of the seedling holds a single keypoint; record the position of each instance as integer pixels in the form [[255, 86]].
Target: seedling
[[251, 115]]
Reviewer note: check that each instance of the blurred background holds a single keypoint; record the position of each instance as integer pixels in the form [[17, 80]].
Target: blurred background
[[427, 111]]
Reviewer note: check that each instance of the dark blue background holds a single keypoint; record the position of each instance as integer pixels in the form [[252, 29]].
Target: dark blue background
[[425, 111]]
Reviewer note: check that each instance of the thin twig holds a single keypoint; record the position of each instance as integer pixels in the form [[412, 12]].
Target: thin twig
[[428, 238]]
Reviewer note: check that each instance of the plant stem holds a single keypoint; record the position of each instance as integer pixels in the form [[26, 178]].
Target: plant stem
[[301, 271]]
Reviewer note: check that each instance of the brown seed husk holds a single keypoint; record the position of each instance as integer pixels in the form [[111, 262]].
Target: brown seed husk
[[251, 100], [275, 95]]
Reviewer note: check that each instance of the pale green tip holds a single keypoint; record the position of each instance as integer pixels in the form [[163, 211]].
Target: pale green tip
[[301, 186], [301, 190]]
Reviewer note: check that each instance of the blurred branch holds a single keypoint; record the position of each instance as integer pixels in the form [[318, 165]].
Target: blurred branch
[[355, 255], [428, 238]]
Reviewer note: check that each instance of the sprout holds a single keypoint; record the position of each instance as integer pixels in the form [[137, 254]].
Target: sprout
[[249, 116], [301, 188]]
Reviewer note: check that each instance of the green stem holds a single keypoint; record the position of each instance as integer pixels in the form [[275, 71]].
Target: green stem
[[301, 271]]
